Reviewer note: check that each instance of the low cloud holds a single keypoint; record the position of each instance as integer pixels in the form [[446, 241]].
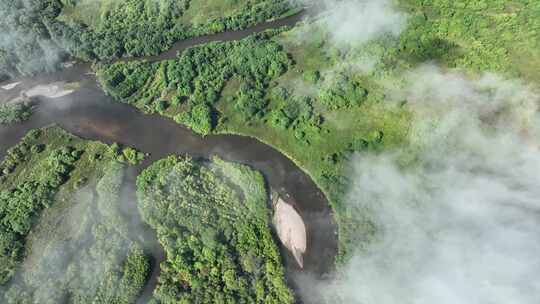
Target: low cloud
[[461, 223], [25, 48], [78, 250], [362, 21], [359, 21], [351, 34]]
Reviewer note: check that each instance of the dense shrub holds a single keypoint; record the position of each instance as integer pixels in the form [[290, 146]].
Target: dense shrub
[[213, 222], [21, 203], [196, 80], [14, 112], [342, 93], [44, 32]]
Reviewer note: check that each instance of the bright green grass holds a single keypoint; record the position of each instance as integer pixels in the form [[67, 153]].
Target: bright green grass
[[89, 12], [52, 138], [495, 35], [36, 166], [200, 12], [320, 143]]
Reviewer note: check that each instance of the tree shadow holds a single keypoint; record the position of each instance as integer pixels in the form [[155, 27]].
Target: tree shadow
[[434, 49]]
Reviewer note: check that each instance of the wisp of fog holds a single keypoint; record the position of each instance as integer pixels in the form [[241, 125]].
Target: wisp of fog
[[461, 222], [457, 211], [358, 21]]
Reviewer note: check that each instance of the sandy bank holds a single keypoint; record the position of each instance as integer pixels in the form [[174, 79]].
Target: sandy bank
[[10, 86], [53, 90], [291, 229]]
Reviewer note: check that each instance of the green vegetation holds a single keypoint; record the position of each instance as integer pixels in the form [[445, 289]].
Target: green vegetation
[[296, 92], [313, 100], [187, 89], [26, 45], [67, 238], [494, 35], [111, 29], [14, 113], [341, 93], [269, 87], [64, 237], [45, 31], [213, 221]]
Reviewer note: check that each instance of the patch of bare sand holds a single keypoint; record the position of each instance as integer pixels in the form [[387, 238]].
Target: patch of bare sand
[[53, 90], [10, 86], [291, 229]]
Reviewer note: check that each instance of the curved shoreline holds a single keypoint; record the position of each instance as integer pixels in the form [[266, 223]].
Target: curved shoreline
[[90, 114], [115, 122]]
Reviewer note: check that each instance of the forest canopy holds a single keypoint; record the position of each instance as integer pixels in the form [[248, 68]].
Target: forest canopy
[[39, 34], [316, 102], [212, 219], [320, 103], [68, 234]]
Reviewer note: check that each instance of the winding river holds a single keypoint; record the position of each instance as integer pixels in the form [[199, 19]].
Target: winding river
[[90, 114]]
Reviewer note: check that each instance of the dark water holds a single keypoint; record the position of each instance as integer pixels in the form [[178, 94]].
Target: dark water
[[90, 114], [225, 36]]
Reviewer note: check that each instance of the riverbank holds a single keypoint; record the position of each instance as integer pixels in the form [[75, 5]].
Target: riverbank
[[89, 114]]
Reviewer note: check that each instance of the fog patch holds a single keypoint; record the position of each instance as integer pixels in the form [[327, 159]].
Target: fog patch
[[25, 44], [457, 213], [461, 107], [350, 36], [359, 21], [80, 247], [27, 54]]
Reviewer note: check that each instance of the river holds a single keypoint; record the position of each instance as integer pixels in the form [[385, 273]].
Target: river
[[90, 114]]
